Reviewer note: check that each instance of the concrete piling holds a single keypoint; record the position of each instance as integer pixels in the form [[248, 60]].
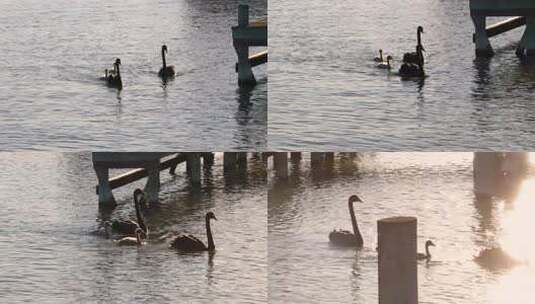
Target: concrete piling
[[398, 275]]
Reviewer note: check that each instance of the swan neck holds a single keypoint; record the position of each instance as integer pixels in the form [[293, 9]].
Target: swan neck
[[139, 216], [211, 245], [163, 58], [419, 35], [427, 254], [353, 219], [118, 71]]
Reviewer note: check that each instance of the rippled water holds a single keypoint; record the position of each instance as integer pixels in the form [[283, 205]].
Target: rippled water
[[435, 187], [53, 52], [51, 249], [326, 91]]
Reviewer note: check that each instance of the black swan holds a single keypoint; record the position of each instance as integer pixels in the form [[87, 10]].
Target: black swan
[[190, 243], [113, 78], [344, 237], [416, 57], [380, 58], [166, 70], [409, 69], [385, 64], [132, 241], [129, 227], [427, 254]]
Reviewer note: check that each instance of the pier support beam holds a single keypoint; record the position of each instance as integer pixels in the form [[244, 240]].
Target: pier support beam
[[245, 71], [229, 161], [280, 163], [527, 42], [193, 168], [105, 195], [398, 273], [481, 39], [152, 187], [295, 157]]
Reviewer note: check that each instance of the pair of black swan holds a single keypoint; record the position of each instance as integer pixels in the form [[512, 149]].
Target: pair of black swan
[[345, 238], [113, 77], [413, 63]]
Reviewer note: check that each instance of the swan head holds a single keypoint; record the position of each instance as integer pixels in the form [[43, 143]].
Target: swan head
[[164, 48], [139, 195], [388, 58], [210, 216], [420, 29], [117, 61], [429, 243], [354, 198]]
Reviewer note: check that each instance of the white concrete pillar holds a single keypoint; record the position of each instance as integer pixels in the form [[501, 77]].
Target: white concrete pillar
[[105, 195], [398, 273]]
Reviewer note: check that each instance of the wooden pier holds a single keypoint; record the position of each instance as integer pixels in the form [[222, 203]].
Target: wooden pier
[[245, 35], [149, 165], [523, 13]]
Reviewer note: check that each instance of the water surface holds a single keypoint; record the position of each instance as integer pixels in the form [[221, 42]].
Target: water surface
[[52, 248], [53, 53], [437, 188], [326, 91]]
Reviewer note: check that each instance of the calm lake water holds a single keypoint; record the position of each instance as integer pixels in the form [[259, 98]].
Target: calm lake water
[[52, 249], [437, 188], [53, 53], [326, 91]]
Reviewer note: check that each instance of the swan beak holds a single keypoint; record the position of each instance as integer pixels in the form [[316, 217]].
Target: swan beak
[[215, 218]]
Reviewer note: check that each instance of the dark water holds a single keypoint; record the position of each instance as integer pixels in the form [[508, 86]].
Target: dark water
[[52, 253], [437, 188], [53, 52], [326, 91]]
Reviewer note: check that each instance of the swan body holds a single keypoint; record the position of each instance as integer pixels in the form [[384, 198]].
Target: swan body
[[385, 64], [132, 241], [130, 227], [427, 254], [411, 70], [346, 238], [380, 58], [166, 70], [113, 78], [416, 57], [495, 258], [189, 243]]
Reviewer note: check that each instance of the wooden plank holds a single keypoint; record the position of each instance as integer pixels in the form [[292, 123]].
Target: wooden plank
[[502, 7], [261, 22], [256, 59], [505, 26], [137, 174]]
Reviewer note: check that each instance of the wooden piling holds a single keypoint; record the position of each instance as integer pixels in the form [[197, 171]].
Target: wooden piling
[[398, 276], [280, 163], [152, 187], [229, 161], [193, 167], [105, 195], [295, 157]]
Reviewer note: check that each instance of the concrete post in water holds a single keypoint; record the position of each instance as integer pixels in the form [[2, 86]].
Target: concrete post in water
[[193, 165], [207, 159], [481, 39], [487, 173], [280, 163], [105, 195], [152, 187], [398, 273], [229, 161], [245, 72], [316, 158], [295, 157]]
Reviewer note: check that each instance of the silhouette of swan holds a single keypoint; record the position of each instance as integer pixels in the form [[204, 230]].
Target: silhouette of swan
[[113, 78], [385, 64], [380, 58], [410, 69], [495, 258], [427, 254], [129, 227], [345, 237], [416, 57], [189, 243], [166, 70], [131, 241]]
